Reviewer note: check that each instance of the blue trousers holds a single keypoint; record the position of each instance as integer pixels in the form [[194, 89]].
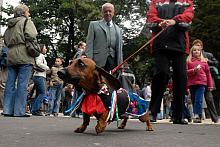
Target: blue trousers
[[197, 93], [15, 94], [54, 101], [40, 84]]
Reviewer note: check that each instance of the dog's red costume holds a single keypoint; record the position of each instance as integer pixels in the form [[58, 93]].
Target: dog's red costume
[[92, 103]]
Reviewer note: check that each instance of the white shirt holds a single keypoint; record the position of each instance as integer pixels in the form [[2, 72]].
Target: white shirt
[[111, 23], [148, 92], [42, 63]]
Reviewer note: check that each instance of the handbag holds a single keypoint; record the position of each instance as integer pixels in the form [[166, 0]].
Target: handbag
[[38, 69], [33, 49], [3, 57]]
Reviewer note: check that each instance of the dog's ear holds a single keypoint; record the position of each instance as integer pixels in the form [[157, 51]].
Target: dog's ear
[[81, 64], [113, 82]]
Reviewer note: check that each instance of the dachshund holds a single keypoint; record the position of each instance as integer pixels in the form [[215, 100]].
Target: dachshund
[[92, 79]]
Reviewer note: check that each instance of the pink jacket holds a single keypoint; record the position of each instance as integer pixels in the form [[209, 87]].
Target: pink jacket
[[202, 77]]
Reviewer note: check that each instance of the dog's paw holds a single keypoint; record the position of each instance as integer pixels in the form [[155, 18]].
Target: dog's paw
[[121, 126], [98, 130], [81, 129], [100, 127]]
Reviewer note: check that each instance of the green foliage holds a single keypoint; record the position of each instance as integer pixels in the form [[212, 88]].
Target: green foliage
[[206, 25], [8, 10]]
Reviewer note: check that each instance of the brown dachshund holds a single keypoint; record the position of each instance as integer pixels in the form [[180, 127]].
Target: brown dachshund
[[83, 72]]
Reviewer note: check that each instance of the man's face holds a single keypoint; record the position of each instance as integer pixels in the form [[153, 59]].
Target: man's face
[[26, 13], [108, 13], [198, 46]]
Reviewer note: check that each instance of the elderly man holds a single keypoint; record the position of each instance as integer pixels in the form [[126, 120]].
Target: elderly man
[[20, 63], [104, 40]]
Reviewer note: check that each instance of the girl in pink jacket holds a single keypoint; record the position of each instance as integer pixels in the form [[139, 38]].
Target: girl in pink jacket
[[198, 77]]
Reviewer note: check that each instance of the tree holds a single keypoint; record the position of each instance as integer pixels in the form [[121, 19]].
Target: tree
[[206, 25]]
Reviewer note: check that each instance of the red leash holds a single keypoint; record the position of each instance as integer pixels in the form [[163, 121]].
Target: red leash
[[149, 41]]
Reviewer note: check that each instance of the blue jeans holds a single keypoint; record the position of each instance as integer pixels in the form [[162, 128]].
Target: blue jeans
[[15, 94], [40, 85], [197, 93], [54, 101]]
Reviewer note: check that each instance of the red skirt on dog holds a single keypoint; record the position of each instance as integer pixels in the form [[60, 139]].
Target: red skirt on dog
[[92, 103]]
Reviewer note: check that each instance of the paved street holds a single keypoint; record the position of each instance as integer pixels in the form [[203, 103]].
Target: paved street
[[58, 132]]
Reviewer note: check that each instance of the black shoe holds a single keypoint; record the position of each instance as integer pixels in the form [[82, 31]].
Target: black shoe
[[153, 120], [180, 121], [197, 120], [215, 121], [7, 115], [37, 114], [189, 119], [153, 117], [55, 114], [26, 115], [48, 114]]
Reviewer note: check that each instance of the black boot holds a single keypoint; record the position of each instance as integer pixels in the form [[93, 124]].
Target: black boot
[[180, 121]]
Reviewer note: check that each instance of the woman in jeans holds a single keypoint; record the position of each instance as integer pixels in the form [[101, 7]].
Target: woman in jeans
[[39, 79]]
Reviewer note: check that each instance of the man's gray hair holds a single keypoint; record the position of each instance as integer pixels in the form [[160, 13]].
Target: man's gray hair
[[107, 4], [20, 9]]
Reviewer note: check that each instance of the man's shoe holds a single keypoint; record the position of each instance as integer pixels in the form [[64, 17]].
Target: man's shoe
[[189, 120], [180, 121], [55, 114], [215, 121], [26, 115], [37, 114], [7, 115], [197, 120], [153, 120]]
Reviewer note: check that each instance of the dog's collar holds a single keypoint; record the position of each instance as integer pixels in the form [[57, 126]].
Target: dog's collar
[[104, 89]]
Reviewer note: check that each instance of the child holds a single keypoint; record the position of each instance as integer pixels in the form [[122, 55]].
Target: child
[[80, 50], [56, 86], [199, 77]]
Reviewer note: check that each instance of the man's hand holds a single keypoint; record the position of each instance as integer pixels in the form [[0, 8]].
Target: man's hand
[[167, 23], [210, 89]]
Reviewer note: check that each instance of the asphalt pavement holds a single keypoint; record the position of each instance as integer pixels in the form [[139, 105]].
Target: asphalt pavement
[[48, 131]]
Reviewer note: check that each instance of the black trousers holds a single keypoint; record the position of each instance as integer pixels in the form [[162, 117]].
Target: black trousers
[[110, 63], [162, 61], [211, 106]]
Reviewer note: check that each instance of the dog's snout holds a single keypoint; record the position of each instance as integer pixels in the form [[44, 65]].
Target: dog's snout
[[62, 73], [65, 76]]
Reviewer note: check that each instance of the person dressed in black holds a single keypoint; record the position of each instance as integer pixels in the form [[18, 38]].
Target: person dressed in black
[[171, 46]]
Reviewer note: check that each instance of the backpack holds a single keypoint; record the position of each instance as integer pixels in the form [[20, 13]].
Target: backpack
[[3, 57]]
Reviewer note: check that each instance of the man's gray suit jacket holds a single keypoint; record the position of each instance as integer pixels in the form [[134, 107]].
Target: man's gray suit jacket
[[97, 45]]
